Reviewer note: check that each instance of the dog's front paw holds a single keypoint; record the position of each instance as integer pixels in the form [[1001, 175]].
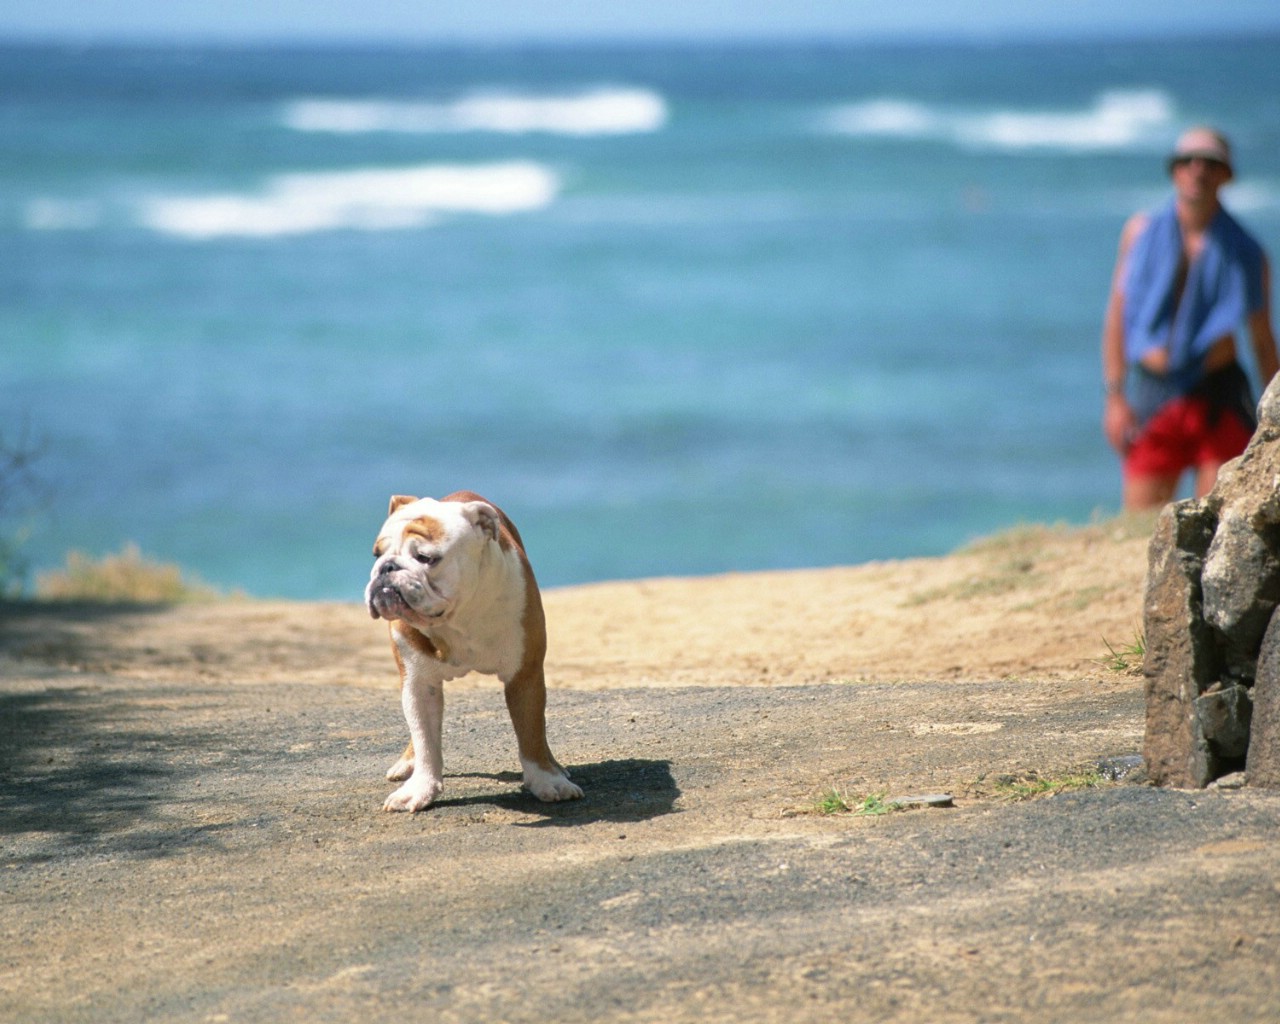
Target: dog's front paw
[[401, 770], [414, 795], [550, 786]]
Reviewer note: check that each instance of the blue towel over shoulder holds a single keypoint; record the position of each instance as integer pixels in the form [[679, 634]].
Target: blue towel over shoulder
[[1223, 287]]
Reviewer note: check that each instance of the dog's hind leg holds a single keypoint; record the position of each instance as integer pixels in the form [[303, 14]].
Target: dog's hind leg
[[403, 768], [526, 694]]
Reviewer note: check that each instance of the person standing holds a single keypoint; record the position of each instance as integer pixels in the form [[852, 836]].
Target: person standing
[[1186, 279]]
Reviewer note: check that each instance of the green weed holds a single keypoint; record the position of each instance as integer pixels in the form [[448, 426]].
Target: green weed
[[1032, 785], [1127, 657], [834, 802]]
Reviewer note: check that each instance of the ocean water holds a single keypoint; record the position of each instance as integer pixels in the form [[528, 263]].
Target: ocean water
[[678, 310]]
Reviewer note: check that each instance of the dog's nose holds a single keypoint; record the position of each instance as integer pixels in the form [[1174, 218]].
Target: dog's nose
[[387, 565]]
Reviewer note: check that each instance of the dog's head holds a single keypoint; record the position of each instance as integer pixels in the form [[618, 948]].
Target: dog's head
[[427, 557]]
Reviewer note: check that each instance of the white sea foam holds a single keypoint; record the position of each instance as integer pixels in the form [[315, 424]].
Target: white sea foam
[[61, 214], [371, 200], [603, 111], [1252, 195], [1116, 120], [886, 117]]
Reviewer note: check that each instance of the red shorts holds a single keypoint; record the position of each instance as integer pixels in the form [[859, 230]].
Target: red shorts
[[1180, 436]]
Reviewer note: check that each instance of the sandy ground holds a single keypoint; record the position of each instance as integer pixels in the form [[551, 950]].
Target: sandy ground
[[1037, 602], [189, 823]]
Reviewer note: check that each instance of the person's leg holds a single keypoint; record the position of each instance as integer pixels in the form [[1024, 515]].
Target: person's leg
[[1206, 477], [1222, 439], [1163, 450], [1147, 492]]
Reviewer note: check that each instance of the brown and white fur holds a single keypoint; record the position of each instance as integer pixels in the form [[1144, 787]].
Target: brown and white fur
[[453, 581]]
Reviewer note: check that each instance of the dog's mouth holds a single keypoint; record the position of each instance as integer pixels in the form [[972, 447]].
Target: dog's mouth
[[387, 602]]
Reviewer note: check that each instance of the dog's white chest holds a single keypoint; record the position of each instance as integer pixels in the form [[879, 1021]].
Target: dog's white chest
[[454, 652]]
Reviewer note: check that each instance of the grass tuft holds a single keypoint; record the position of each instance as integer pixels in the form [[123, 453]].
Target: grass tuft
[[1127, 657], [834, 802], [1032, 785], [124, 578]]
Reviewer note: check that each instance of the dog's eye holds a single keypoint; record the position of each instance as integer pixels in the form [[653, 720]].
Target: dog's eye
[[426, 558]]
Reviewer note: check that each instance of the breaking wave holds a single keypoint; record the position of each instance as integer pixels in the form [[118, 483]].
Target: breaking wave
[[1116, 120], [370, 200], [46, 214], [596, 112]]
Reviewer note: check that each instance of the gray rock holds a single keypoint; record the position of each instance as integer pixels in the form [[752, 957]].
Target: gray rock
[[1241, 587], [1236, 780], [923, 800], [1212, 664], [1264, 733], [1220, 730], [1182, 654], [1269, 412], [1122, 768]]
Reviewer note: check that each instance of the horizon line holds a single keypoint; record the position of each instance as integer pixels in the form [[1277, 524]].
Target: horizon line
[[273, 40]]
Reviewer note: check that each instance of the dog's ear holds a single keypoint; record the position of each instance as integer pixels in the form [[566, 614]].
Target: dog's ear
[[483, 515], [399, 501]]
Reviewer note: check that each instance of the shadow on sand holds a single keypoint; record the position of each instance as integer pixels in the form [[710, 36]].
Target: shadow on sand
[[85, 767], [620, 791]]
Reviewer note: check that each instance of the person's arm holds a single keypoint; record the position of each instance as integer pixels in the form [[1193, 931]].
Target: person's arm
[[1264, 340], [1117, 417]]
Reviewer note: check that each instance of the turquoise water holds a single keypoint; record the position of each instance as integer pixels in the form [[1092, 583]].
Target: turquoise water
[[677, 309]]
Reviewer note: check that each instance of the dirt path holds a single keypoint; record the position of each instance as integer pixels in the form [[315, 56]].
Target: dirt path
[[189, 827]]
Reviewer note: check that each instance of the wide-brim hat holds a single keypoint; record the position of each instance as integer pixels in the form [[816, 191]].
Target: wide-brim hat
[[1204, 143]]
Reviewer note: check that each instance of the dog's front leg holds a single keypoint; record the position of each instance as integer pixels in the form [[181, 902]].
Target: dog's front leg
[[422, 696]]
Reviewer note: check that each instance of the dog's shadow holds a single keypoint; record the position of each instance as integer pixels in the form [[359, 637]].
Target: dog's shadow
[[616, 791]]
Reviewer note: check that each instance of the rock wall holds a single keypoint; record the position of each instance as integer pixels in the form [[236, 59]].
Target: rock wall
[[1212, 663]]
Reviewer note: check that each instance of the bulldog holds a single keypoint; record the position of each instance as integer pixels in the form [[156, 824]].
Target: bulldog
[[453, 582]]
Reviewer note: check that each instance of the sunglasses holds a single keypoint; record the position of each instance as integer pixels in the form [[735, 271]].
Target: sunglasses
[[1208, 161]]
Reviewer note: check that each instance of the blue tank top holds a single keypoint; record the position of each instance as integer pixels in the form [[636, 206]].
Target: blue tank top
[[1223, 286]]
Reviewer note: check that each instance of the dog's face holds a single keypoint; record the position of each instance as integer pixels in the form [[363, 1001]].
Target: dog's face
[[427, 557]]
